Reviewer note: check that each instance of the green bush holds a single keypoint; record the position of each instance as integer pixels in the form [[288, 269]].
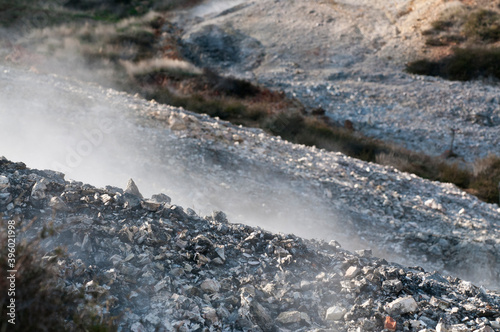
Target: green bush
[[484, 25], [486, 179], [463, 65]]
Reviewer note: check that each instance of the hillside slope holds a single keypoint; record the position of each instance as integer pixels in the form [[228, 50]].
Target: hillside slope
[[105, 137], [348, 57], [153, 266]]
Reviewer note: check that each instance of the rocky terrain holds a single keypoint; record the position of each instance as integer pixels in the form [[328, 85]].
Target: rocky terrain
[[206, 163], [348, 57], [306, 236], [158, 267]]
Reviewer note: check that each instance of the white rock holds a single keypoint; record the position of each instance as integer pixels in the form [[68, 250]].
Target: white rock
[[38, 191], [352, 272], [335, 313], [57, 203], [402, 305], [4, 182], [433, 204], [441, 327]]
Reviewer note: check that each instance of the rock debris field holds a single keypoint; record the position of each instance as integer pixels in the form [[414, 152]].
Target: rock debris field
[[164, 268], [308, 240]]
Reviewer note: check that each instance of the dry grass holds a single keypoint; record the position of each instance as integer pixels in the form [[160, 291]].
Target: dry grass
[[469, 35], [41, 299], [170, 66]]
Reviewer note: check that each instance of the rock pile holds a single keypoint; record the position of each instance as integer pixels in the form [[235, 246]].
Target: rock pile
[[158, 267]]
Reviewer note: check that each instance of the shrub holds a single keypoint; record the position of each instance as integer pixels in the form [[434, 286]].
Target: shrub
[[442, 24], [486, 179], [454, 174], [484, 25], [424, 67], [42, 302], [464, 64], [229, 86]]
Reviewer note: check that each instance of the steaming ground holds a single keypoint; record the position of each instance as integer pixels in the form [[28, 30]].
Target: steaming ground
[[151, 266], [104, 137], [52, 123]]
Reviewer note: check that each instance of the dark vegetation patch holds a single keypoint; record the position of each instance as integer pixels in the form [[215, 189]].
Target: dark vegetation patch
[[42, 303], [470, 36], [32, 14], [483, 25], [463, 65]]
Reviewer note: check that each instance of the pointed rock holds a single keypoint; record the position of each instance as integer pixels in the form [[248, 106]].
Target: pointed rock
[[132, 189]]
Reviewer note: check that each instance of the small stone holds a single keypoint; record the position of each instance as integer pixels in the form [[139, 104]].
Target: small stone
[[219, 216], [159, 286], [402, 305], [176, 123], [433, 204], [306, 285], [38, 190], [57, 203], [137, 327], [334, 244], [86, 244], [161, 198], [150, 205], [441, 327], [393, 285], [210, 286], [352, 272], [364, 252], [210, 314], [131, 200], [5, 198], [153, 319], [4, 182], [261, 314], [289, 317], [335, 313], [390, 324], [218, 261], [237, 138], [220, 252], [106, 199]]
